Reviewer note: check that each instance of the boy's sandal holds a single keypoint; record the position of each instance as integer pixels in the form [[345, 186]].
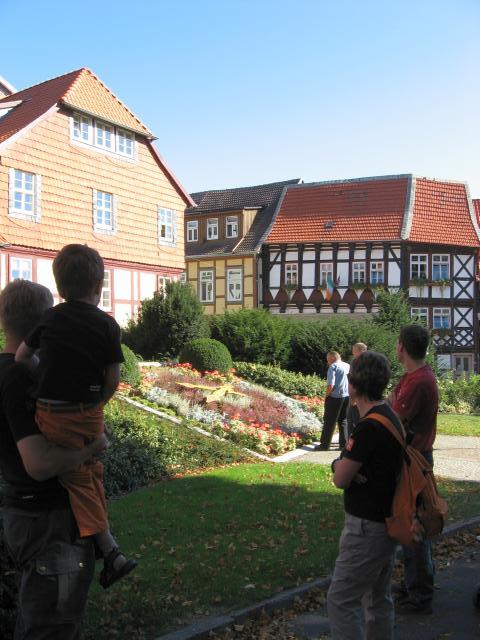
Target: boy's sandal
[[109, 575]]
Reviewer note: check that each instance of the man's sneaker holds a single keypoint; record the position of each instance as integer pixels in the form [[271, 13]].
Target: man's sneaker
[[409, 606], [321, 447]]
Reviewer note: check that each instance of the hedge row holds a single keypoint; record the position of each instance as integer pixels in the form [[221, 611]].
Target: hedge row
[[277, 379]]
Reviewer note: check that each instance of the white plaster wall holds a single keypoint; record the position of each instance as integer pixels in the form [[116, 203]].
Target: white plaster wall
[[308, 279], [275, 276], [343, 254], [122, 282], [291, 256], [147, 285], [360, 254], [45, 274], [309, 255], [122, 313], [377, 254], [327, 254], [393, 274], [459, 321], [460, 293], [135, 285]]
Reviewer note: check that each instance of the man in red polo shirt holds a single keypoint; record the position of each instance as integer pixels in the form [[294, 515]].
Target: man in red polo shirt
[[415, 400]]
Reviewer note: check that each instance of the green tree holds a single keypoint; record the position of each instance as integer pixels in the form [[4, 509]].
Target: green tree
[[253, 335], [393, 310], [166, 322]]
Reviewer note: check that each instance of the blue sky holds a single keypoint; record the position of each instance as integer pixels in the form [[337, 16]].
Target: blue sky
[[242, 92]]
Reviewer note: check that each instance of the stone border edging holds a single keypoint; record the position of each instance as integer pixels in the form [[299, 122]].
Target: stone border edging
[[283, 600]]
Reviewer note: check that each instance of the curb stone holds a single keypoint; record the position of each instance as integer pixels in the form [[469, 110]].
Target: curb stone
[[283, 600]]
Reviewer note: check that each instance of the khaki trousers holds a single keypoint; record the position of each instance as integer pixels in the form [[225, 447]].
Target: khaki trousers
[[359, 600]]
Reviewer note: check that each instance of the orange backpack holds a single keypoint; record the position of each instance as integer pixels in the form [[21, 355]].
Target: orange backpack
[[418, 511]]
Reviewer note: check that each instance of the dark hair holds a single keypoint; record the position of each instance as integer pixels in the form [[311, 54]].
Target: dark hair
[[78, 271], [22, 304], [369, 374], [415, 340]]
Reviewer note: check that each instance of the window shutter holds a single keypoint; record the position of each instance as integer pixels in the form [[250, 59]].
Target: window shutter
[[114, 213], [11, 189], [94, 208], [38, 190]]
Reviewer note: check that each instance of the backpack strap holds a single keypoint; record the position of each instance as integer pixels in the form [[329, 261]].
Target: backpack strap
[[390, 426]]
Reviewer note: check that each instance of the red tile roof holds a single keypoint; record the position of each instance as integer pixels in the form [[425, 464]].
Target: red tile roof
[[364, 209], [80, 89], [441, 214], [380, 208]]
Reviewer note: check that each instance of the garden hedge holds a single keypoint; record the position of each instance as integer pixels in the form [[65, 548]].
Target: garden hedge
[[207, 354]]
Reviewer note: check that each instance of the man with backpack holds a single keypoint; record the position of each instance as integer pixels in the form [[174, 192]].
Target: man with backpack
[[415, 400]]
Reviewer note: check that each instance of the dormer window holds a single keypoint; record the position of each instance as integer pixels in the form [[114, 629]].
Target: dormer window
[[103, 136], [212, 229], [232, 227], [98, 135], [82, 128]]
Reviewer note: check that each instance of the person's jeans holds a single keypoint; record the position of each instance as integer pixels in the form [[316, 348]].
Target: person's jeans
[[55, 569], [419, 568], [335, 412], [359, 601]]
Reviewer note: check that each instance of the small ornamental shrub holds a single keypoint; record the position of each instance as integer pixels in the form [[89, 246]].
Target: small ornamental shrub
[[286, 382], [459, 393], [129, 370], [166, 322], [253, 335], [2, 340], [206, 354]]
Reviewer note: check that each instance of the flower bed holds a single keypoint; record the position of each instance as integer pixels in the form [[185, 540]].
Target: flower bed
[[245, 413]]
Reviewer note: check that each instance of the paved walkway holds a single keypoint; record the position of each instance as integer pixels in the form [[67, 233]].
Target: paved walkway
[[456, 457], [454, 617]]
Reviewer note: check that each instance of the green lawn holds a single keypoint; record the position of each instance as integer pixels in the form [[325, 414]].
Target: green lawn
[[452, 424], [223, 539]]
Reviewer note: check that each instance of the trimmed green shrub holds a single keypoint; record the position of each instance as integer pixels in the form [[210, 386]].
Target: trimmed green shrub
[[287, 382], [2, 340], [253, 335], [207, 354], [393, 310], [129, 370], [456, 395], [138, 452], [166, 322]]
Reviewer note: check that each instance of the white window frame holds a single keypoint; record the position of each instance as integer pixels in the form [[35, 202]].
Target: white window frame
[[99, 208], [162, 283], [442, 262], [106, 296], [235, 284], [192, 230], [442, 314], [420, 313], [291, 274], [231, 227], [326, 269], [206, 285], [20, 264], [166, 226], [376, 270], [127, 139], [24, 198], [419, 262], [183, 277], [82, 129], [212, 229], [359, 272], [107, 134]]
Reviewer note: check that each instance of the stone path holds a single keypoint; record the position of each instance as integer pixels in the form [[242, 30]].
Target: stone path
[[456, 457]]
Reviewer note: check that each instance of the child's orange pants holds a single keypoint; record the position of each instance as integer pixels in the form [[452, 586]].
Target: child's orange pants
[[73, 426]]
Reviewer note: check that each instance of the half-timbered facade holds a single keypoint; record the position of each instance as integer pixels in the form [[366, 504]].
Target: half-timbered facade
[[77, 166], [331, 245], [223, 237]]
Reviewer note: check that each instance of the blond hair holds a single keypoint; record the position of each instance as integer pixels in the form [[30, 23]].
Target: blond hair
[[360, 346], [22, 304], [334, 354]]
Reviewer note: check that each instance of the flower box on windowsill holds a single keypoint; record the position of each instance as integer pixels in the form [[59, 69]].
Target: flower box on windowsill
[[441, 332]]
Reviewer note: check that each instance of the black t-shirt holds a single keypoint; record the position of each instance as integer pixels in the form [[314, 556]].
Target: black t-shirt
[[381, 456], [76, 341], [17, 421]]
